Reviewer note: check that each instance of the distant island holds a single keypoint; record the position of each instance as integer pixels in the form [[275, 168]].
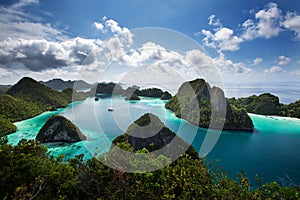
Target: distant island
[[28, 98]]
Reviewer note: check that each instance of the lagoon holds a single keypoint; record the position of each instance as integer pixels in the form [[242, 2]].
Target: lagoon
[[272, 151]]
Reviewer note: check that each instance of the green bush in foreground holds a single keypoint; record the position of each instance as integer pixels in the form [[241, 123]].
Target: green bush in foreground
[[27, 172]]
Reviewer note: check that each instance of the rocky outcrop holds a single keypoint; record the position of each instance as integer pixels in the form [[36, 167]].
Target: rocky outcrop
[[59, 129], [150, 133], [200, 105]]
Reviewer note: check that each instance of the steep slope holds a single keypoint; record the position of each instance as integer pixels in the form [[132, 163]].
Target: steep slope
[[197, 94], [32, 91], [59, 129]]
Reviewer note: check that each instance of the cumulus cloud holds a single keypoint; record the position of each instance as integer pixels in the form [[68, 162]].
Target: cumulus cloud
[[257, 61], [273, 69], [223, 39], [267, 23], [282, 60], [292, 22], [99, 26], [227, 66]]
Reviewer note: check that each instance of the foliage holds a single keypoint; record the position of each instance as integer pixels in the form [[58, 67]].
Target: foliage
[[193, 102], [29, 98], [15, 109], [32, 91], [27, 172], [291, 110], [6, 127], [149, 92], [109, 88], [264, 104]]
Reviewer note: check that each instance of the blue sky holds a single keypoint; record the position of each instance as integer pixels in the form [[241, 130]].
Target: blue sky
[[247, 41]]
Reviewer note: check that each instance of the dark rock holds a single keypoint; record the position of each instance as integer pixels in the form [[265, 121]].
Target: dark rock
[[150, 133], [59, 129]]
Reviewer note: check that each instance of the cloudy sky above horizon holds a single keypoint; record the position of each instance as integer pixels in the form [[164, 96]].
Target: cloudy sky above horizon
[[250, 41]]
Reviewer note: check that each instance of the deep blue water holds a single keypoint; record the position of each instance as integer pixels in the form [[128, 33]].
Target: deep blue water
[[272, 151]]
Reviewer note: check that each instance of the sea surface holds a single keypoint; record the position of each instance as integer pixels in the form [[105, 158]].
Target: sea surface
[[272, 151], [287, 92]]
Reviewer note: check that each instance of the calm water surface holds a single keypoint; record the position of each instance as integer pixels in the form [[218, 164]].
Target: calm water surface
[[272, 151]]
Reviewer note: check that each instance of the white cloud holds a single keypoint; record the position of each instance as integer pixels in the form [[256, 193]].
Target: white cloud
[[282, 60], [99, 26], [16, 23], [23, 3], [228, 67], [223, 39], [265, 25], [213, 21], [257, 61], [292, 22], [268, 21], [273, 69]]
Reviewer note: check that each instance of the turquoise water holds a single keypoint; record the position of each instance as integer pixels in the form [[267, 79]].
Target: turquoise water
[[272, 151]]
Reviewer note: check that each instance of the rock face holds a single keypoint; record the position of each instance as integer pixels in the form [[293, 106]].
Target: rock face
[[59, 129], [132, 97], [194, 102], [166, 96], [150, 133]]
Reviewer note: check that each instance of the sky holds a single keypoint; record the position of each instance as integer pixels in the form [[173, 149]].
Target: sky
[[150, 42]]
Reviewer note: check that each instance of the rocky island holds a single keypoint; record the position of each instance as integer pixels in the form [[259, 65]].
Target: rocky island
[[198, 93], [59, 129], [150, 133]]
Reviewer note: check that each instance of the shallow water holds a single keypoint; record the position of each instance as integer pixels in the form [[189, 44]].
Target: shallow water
[[272, 150]]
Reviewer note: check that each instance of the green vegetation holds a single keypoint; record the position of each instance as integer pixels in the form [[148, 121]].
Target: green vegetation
[[290, 110], [109, 88], [149, 133], [29, 98], [264, 104], [59, 129], [6, 127], [149, 92], [197, 94], [27, 172], [132, 97], [32, 91]]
